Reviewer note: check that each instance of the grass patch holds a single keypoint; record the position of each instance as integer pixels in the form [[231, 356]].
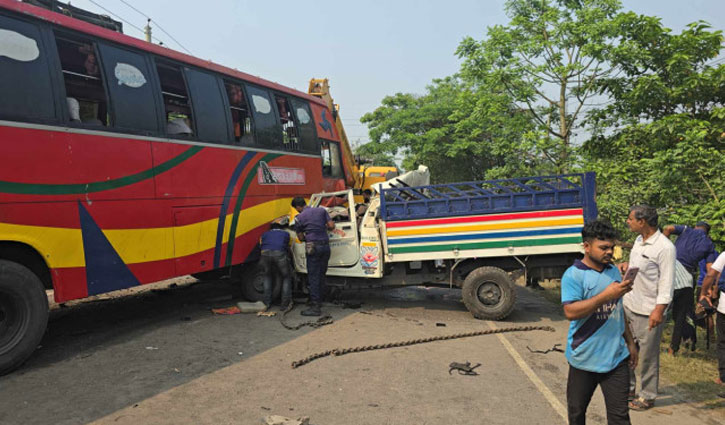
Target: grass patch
[[690, 373]]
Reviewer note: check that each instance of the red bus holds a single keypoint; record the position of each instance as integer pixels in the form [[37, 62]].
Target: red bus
[[125, 163]]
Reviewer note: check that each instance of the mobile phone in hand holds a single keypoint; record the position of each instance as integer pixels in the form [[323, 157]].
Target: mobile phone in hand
[[631, 273]]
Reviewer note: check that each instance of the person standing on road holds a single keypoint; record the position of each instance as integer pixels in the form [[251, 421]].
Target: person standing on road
[[654, 255], [311, 225], [275, 244], [600, 348], [711, 281], [692, 246]]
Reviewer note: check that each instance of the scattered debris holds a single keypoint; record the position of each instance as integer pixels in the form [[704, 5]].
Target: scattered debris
[[373, 404], [281, 420], [247, 307], [440, 324], [177, 370], [267, 313], [265, 408], [464, 368], [556, 347], [663, 411], [152, 348], [226, 310], [241, 353]]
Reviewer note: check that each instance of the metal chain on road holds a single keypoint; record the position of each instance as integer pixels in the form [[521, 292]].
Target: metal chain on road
[[343, 351], [321, 321]]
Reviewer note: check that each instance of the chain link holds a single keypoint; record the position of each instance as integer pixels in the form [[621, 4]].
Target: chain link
[[321, 321], [359, 349]]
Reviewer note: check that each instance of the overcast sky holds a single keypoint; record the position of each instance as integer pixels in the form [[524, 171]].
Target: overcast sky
[[367, 49]]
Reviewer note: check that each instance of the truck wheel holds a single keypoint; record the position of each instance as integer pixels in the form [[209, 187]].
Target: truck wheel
[[488, 293], [252, 283], [23, 314]]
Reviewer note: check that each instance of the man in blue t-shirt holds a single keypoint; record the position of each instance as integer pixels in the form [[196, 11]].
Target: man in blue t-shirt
[[599, 342]]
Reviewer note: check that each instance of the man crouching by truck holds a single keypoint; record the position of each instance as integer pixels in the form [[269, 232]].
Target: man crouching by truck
[[311, 225], [600, 346]]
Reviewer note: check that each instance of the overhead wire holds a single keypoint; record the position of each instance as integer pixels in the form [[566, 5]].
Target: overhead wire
[[157, 25]]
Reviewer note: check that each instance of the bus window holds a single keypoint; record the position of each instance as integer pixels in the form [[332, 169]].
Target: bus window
[[268, 133], [23, 59], [331, 161], [209, 110], [241, 119], [133, 97], [308, 136], [289, 130], [177, 108], [84, 90]]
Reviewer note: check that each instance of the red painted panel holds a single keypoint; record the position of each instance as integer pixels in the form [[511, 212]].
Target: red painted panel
[[326, 128], [69, 284], [57, 157]]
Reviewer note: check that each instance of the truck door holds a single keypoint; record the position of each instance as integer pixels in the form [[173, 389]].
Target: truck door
[[344, 247]]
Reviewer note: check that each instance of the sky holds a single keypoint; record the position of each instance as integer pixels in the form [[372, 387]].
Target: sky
[[368, 49]]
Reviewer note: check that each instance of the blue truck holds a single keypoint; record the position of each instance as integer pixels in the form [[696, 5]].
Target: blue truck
[[471, 235]]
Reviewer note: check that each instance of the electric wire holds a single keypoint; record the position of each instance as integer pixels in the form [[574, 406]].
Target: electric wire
[[157, 25]]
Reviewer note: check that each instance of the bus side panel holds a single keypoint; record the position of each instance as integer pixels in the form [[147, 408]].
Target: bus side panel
[[42, 166]]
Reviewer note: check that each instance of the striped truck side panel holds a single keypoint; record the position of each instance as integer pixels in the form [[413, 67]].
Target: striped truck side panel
[[490, 235]]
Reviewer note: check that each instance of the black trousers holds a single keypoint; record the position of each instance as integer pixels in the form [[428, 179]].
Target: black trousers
[[681, 307], [721, 344], [615, 387], [316, 271]]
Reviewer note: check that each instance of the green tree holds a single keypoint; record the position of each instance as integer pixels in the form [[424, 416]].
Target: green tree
[[661, 140], [549, 58]]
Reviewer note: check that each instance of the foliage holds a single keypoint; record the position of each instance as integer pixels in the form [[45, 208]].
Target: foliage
[[648, 104]]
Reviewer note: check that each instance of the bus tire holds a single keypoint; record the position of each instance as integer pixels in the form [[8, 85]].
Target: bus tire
[[489, 293], [23, 314], [252, 283]]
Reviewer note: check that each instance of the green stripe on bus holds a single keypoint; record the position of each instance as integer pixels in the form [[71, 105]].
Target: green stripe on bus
[[486, 245], [72, 189], [238, 206]]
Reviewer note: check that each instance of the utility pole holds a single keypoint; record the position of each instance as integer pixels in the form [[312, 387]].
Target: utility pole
[[147, 30]]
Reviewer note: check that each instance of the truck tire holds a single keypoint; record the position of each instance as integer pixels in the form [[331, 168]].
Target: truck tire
[[488, 293], [23, 314], [252, 283]]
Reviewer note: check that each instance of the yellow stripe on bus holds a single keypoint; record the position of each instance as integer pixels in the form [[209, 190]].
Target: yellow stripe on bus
[[491, 226], [62, 247]]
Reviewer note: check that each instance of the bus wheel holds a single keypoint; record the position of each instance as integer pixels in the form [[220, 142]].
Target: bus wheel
[[252, 283], [488, 293], [23, 314]]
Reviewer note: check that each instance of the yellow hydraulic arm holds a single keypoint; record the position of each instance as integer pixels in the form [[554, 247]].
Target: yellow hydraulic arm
[[320, 87]]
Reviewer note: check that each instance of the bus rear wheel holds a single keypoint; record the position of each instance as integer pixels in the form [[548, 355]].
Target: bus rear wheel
[[252, 283], [489, 293], [23, 314]]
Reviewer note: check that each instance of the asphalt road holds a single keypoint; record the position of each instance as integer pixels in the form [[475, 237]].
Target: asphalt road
[[161, 357]]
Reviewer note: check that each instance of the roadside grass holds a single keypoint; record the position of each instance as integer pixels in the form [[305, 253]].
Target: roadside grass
[[691, 374]]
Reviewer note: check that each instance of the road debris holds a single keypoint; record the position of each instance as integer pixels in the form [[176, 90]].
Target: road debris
[[282, 420], [247, 307], [267, 313], [464, 368], [556, 347], [226, 310], [152, 348]]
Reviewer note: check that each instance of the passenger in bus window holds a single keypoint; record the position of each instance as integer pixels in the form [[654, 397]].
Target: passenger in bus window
[[178, 126], [90, 64]]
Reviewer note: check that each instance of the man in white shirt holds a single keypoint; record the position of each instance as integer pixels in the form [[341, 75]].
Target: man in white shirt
[[711, 278], [654, 255]]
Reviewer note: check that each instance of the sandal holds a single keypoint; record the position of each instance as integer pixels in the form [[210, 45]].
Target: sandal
[[640, 404]]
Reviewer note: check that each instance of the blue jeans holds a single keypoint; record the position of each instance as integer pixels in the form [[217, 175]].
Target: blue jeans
[[316, 270], [271, 261]]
